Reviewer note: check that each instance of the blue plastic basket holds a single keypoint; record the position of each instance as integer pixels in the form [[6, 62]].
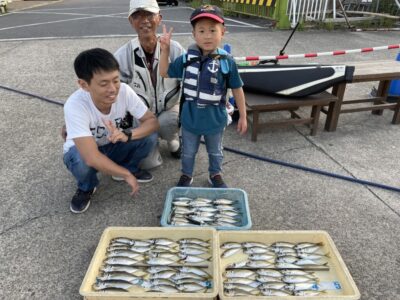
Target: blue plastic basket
[[210, 193]]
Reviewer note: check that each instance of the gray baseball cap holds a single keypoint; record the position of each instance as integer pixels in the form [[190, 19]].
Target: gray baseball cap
[[148, 5]]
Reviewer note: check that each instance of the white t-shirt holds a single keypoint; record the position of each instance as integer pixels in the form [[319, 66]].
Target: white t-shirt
[[82, 118]]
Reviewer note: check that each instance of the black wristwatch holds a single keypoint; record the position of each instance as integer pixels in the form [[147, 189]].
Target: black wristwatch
[[128, 133]]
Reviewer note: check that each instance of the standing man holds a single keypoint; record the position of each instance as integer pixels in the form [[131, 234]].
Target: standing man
[[139, 66], [94, 116]]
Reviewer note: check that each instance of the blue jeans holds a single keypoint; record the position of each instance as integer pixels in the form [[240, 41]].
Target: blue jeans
[[127, 155], [190, 146]]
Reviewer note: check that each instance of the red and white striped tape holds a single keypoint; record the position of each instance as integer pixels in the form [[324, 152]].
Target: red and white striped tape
[[309, 55]]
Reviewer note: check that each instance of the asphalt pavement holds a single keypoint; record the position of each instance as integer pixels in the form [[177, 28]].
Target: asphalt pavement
[[45, 250]]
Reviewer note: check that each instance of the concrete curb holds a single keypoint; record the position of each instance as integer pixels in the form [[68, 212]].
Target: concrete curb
[[11, 10]]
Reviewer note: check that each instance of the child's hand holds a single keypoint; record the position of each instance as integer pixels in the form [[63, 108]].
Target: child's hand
[[242, 125], [165, 39]]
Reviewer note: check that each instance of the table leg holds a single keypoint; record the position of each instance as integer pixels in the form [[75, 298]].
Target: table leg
[[383, 89], [396, 116], [315, 112], [335, 107]]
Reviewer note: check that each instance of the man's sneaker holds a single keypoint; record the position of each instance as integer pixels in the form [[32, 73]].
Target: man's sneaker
[[80, 201], [178, 153], [175, 148], [185, 181], [141, 176], [217, 182]]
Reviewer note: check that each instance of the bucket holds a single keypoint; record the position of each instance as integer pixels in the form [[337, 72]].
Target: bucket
[[394, 89]]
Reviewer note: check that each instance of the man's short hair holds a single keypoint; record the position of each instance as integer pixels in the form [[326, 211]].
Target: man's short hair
[[92, 61]]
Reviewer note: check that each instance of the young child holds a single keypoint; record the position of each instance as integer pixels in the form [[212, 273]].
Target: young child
[[207, 72]]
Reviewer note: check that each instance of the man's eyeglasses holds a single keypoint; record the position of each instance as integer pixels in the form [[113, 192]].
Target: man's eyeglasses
[[143, 14]]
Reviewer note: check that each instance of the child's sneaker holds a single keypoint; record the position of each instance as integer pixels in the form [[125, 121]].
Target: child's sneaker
[[185, 181], [217, 182], [142, 176]]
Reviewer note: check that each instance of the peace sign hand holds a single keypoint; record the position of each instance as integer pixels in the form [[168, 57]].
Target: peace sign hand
[[165, 39], [115, 135]]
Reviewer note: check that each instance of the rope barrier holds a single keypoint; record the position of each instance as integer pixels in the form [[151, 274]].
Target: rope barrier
[[250, 155], [310, 55]]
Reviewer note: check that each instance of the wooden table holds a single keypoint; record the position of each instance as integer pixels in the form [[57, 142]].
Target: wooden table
[[382, 71], [257, 104]]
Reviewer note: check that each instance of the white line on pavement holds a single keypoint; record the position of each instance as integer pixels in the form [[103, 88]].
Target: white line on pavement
[[81, 37]]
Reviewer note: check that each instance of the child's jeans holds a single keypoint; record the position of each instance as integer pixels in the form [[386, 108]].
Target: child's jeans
[[191, 142], [127, 155]]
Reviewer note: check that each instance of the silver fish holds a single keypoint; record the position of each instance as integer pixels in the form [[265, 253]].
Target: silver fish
[[269, 272], [200, 220], [312, 249], [191, 287], [121, 261], [204, 283], [256, 250], [164, 289], [165, 242], [281, 265], [226, 208], [105, 285], [132, 242], [181, 203], [303, 286], [300, 246], [120, 276], [272, 292], [126, 253], [195, 246], [161, 281], [228, 213], [222, 201], [180, 223], [306, 293], [239, 264], [164, 248], [259, 264], [207, 209], [296, 278], [227, 220], [287, 259], [255, 244], [162, 275], [192, 251], [205, 214], [168, 255], [193, 259], [195, 271], [183, 275], [194, 241], [238, 292], [118, 268], [239, 274], [264, 278], [230, 245], [265, 256], [160, 261], [182, 199], [311, 255], [323, 261], [158, 269], [272, 286], [242, 287], [298, 272], [283, 245], [285, 251], [243, 281], [230, 252]]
